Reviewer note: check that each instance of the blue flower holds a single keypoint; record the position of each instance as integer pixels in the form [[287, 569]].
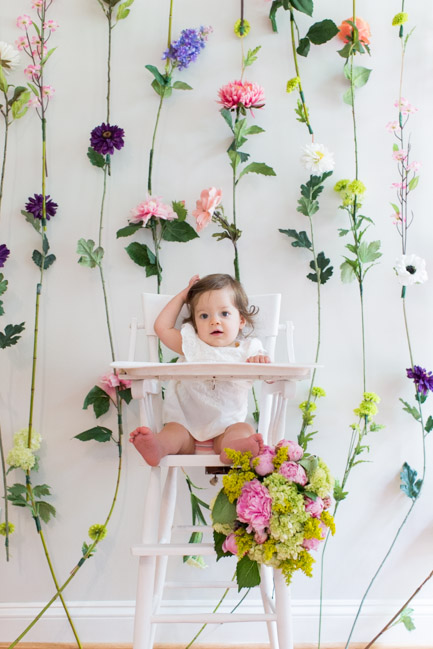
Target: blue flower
[[423, 380], [186, 50]]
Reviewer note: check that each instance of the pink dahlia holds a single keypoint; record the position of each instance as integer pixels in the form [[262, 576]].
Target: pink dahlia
[[294, 472], [238, 93], [346, 30], [109, 383], [205, 206], [152, 206], [254, 506]]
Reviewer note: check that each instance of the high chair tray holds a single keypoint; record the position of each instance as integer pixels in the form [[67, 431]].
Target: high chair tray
[[136, 370]]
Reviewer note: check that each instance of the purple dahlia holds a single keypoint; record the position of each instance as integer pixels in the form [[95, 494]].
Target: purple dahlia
[[4, 254], [105, 138], [423, 380], [34, 206]]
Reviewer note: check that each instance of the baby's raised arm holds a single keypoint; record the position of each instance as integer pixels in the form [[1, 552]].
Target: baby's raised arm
[[165, 323]]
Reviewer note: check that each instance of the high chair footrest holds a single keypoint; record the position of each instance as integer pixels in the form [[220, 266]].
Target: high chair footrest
[[212, 618], [172, 549]]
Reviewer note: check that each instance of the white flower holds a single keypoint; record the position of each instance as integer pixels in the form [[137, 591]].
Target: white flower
[[317, 159], [410, 270], [9, 57]]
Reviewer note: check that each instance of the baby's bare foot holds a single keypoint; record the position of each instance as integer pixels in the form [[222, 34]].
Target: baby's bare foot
[[147, 445], [253, 443]]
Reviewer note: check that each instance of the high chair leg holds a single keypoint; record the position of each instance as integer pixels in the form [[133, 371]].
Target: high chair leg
[[266, 587], [283, 609]]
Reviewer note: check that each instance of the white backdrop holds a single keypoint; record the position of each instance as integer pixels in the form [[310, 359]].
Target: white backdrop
[[190, 155]]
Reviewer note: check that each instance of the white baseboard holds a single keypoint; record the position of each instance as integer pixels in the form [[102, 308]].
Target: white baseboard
[[108, 621]]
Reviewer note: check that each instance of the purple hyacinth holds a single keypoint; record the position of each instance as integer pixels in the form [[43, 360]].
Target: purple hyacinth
[[105, 138], [186, 50], [4, 254], [423, 380], [34, 206]]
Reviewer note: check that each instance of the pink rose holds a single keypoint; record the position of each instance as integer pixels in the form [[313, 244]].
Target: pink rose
[[152, 206], [265, 464], [111, 381], [314, 507], [295, 452], [254, 506], [206, 205], [229, 544], [238, 93], [294, 473], [346, 30]]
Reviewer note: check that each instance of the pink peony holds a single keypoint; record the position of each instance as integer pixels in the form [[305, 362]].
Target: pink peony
[[311, 544], [260, 537], [152, 206], [295, 452], [265, 464], [327, 502], [314, 507], [294, 472], [111, 381], [254, 506], [238, 93], [364, 33], [229, 544], [206, 205]]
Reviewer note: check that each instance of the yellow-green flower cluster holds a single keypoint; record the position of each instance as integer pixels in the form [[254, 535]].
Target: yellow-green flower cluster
[[21, 439], [318, 392], [238, 28], [285, 496], [292, 84], [328, 520], [244, 542], [321, 481], [312, 529], [281, 456], [400, 18], [304, 561], [97, 532], [367, 407], [11, 528], [20, 456], [348, 190], [234, 481]]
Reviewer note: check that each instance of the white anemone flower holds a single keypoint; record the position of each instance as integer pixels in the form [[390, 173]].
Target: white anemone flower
[[410, 270], [317, 159], [9, 57]]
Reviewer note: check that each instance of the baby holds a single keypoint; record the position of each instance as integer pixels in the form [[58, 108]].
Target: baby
[[196, 411]]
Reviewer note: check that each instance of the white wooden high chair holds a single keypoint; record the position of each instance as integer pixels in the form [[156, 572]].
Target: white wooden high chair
[[279, 386]]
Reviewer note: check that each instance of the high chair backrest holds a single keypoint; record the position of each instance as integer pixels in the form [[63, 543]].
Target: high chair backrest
[[266, 322]]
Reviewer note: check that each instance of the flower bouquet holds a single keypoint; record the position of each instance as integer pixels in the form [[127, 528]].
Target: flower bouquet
[[273, 510]]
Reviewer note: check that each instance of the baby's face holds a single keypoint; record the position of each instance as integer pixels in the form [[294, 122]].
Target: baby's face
[[217, 320]]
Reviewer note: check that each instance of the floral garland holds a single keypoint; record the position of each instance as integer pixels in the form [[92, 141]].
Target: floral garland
[[272, 510]]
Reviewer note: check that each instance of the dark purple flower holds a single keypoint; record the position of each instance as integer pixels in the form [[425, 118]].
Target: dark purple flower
[[185, 50], [423, 380], [105, 138], [34, 206], [4, 254]]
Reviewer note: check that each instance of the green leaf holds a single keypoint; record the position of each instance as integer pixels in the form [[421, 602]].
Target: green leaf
[[322, 32], [99, 399], [143, 256], [180, 209], [223, 510], [305, 6], [339, 494], [247, 573], [162, 80], [42, 490], [181, 85], [411, 410], [90, 256], [395, 208], [357, 74], [218, 540], [368, 252], [132, 228], [251, 56], [45, 510], [85, 549], [97, 159], [310, 464], [36, 223], [303, 47], [307, 207], [227, 117], [347, 97], [325, 270], [162, 91], [301, 239], [257, 168], [11, 335], [98, 433], [123, 11], [429, 425], [3, 82], [276, 4], [409, 484], [406, 619], [180, 231], [413, 183], [39, 259], [19, 101], [347, 270], [252, 130], [126, 395], [3, 284], [17, 490]]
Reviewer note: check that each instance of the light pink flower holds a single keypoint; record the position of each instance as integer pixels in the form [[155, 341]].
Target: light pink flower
[[327, 502], [229, 544], [37, 4], [345, 33], [152, 206], [254, 506], [414, 166], [21, 43], [24, 21], [294, 472], [398, 185], [399, 155], [265, 464], [404, 106], [260, 537], [391, 127], [51, 25], [32, 71], [205, 206], [109, 383], [238, 93], [295, 452], [48, 91], [311, 544], [314, 507], [34, 102]]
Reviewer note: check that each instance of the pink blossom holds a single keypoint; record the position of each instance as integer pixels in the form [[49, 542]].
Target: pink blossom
[[152, 206], [32, 71], [295, 452], [205, 206], [51, 25], [404, 106], [37, 4], [21, 43], [265, 464], [34, 101], [24, 21], [345, 33], [229, 544], [391, 127], [314, 507], [238, 93], [399, 185], [294, 472], [48, 91], [109, 382], [254, 506], [399, 155], [414, 166], [37, 52]]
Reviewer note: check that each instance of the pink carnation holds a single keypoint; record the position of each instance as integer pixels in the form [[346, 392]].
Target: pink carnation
[[314, 507], [111, 381], [238, 93], [152, 206], [229, 544], [265, 464], [294, 473], [254, 506], [205, 206], [346, 30], [295, 452]]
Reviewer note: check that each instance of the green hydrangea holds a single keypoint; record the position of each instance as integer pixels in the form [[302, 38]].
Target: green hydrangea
[[11, 528], [371, 396], [356, 187], [223, 528], [21, 439], [318, 392], [341, 185], [321, 481], [21, 457], [400, 18], [292, 84], [97, 532], [366, 409]]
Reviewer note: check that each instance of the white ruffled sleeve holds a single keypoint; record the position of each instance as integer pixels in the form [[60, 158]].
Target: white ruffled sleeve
[[253, 347], [190, 346]]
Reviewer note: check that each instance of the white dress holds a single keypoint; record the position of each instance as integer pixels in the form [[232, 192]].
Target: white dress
[[206, 408]]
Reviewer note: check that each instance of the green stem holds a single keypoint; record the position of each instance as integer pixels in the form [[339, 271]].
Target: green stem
[[5, 147], [236, 256], [110, 27], [149, 177], [205, 625], [295, 61], [5, 491], [364, 351]]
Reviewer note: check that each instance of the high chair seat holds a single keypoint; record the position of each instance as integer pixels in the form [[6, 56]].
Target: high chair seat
[[279, 381]]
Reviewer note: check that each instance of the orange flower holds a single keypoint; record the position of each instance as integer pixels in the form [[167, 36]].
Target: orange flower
[[346, 29]]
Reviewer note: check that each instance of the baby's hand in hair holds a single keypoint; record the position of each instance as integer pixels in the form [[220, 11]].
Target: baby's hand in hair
[[191, 282], [259, 358]]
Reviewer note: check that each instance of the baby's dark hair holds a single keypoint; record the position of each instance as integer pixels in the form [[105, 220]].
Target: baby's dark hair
[[216, 282]]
